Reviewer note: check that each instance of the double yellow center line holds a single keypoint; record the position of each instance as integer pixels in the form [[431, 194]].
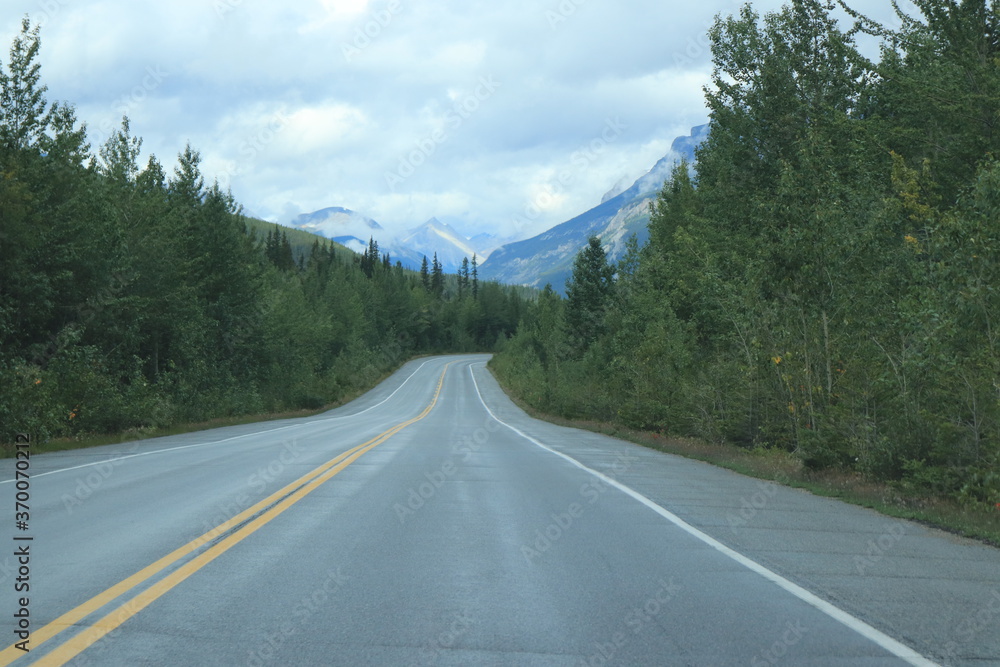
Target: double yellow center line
[[268, 509]]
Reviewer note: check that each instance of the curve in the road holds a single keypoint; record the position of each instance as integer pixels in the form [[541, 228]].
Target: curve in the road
[[898, 649], [222, 538], [116, 460]]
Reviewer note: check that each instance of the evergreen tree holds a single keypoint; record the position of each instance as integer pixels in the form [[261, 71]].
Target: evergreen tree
[[475, 277], [119, 156], [425, 275], [271, 245], [24, 111], [129, 299], [437, 277], [823, 281], [588, 295], [286, 260], [463, 277], [370, 258], [187, 187], [939, 93]]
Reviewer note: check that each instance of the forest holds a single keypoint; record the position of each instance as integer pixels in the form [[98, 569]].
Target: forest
[[826, 280], [823, 281], [133, 298]]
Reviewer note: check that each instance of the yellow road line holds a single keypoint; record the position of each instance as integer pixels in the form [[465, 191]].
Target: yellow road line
[[294, 492], [73, 616]]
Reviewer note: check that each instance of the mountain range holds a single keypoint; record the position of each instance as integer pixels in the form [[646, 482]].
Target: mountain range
[[548, 257], [354, 230], [545, 258], [341, 225]]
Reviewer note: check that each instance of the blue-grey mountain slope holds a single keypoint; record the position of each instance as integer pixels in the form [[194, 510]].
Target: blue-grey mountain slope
[[438, 237], [354, 230], [346, 227], [548, 257]]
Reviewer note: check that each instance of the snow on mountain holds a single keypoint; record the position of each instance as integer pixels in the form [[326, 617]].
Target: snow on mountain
[[548, 257], [352, 243], [354, 230], [681, 148], [438, 237], [619, 187], [486, 243], [336, 222]]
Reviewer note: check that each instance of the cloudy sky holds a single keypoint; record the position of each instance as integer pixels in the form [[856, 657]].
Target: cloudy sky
[[507, 117]]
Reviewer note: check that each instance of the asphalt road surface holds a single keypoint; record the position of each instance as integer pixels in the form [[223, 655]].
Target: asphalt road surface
[[433, 522]]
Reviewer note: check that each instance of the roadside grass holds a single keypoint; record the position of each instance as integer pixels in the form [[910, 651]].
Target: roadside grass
[[88, 440], [980, 522]]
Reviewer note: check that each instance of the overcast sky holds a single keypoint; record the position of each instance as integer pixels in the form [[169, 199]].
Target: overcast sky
[[506, 116]]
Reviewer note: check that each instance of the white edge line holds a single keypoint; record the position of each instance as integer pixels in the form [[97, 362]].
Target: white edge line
[[116, 459], [891, 645]]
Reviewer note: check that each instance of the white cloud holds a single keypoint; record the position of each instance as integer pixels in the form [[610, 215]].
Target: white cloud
[[306, 104], [322, 128]]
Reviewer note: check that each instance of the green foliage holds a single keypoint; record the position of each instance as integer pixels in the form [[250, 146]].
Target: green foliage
[[131, 299], [278, 250], [940, 94], [828, 281], [425, 274], [588, 293], [25, 113], [437, 277]]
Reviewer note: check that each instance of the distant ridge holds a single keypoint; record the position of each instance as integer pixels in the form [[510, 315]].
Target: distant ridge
[[354, 230], [548, 257]]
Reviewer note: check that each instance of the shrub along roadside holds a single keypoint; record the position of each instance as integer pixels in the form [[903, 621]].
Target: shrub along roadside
[[85, 441], [969, 519], [823, 281], [134, 298]]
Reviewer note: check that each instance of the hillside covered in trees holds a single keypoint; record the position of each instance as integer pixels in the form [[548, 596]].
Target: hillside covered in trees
[[131, 297], [828, 281]]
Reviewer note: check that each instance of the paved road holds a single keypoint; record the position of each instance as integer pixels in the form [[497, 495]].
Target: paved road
[[432, 522]]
